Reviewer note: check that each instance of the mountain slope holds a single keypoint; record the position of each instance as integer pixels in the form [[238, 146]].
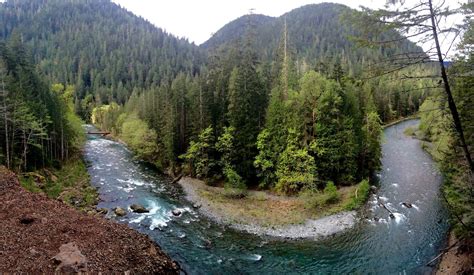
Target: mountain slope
[[98, 46], [316, 34]]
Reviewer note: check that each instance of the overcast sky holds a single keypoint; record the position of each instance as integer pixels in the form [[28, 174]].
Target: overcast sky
[[197, 20]]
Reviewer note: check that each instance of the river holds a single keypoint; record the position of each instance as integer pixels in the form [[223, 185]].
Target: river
[[389, 246]]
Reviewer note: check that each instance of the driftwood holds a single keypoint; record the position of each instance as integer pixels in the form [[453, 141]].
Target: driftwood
[[175, 180], [392, 216]]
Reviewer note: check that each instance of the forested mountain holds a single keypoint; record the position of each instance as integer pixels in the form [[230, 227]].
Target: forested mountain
[[104, 50], [316, 35], [281, 104]]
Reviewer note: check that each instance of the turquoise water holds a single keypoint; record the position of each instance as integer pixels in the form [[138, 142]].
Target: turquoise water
[[389, 246]]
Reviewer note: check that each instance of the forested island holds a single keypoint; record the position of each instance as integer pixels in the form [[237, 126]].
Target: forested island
[[274, 126]]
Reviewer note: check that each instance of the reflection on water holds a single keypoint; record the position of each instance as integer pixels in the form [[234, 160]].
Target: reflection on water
[[378, 244]]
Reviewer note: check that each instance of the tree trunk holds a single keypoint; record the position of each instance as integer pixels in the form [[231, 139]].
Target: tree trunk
[[447, 88]]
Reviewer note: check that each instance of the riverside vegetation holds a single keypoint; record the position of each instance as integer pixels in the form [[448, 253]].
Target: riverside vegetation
[[235, 114], [283, 105]]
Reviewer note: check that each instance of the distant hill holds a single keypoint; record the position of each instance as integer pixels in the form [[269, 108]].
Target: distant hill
[[97, 45], [315, 32], [106, 51]]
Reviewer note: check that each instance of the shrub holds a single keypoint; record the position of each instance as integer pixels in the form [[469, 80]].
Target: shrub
[[360, 196], [330, 191], [234, 186], [317, 199]]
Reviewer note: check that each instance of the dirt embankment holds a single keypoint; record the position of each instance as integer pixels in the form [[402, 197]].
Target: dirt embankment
[[40, 235], [459, 259]]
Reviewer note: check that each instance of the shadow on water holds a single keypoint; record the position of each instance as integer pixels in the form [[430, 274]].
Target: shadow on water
[[387, 246]]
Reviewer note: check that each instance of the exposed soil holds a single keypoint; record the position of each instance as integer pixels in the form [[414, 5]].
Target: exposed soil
[[459, 259], [33, 228]]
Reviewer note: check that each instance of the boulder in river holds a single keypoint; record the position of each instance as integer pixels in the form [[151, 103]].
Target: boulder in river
[[407, 204], [176, 212], [119, 211], [373, 188], [137, 208], [196, 206]]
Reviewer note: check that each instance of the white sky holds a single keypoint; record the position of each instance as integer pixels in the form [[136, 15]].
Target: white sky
[[197, 20]]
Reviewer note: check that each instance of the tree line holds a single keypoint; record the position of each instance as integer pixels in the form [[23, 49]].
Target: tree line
[[247, 123], [38, 127]]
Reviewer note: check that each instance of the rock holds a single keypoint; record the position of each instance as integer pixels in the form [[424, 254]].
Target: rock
[[407, 204], [119, 211], [70, 259], [376, 219], [373, 188], [392, 216], [176, 212], [139, 208], [196, 206]]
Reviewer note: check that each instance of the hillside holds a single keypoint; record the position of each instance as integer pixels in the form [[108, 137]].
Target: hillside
[[35, 229], [316, 35], [103, 49]]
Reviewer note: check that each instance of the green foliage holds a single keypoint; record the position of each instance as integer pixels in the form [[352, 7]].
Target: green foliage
[[436, 126], [372, 149], [316, 36], [37, 125], [69, 184], [265, 160], [360, 196], [315, 199], [296, 168], [106, 117], [234, 185], [225, 146], [29, 184], [141, 139], [104, 50], [233, 180], [200, 155], [331, 191]]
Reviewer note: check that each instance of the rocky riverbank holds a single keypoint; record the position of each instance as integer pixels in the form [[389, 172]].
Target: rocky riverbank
[[252, 222], [41, 235]]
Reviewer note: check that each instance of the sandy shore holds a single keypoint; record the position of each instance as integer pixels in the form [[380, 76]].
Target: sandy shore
[[311, 229]]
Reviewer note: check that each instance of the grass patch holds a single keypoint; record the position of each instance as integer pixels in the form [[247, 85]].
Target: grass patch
[[71, 184], [29, 184], [359, 197], [265, 209]]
